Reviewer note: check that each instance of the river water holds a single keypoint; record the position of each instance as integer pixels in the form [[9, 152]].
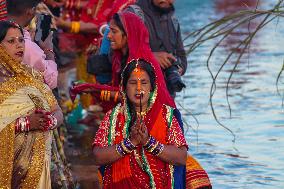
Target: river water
[[256, 158]]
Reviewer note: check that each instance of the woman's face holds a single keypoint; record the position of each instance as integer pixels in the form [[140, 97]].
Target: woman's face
[[14, 44], [118, 40], [138, 83]]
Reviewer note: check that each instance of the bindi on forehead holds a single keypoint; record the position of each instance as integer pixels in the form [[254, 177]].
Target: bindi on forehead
[[137, 72]]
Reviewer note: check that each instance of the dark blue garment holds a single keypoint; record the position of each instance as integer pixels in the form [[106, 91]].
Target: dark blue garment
[[105, 46], [104, 50], [179, 171]]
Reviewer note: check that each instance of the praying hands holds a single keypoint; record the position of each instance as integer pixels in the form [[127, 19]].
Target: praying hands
[[139, 133]]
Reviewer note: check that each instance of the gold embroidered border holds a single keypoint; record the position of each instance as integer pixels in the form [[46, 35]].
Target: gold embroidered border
[[31, 181], [7, 136]]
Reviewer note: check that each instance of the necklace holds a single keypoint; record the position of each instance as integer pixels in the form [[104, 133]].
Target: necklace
[[143, 113]]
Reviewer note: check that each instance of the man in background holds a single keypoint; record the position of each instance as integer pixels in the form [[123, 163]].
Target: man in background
[[165, 39]]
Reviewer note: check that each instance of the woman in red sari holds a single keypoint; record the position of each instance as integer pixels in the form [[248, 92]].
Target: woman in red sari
[[126, 40], [83, 22], [161, 107], [129, 37], [140, 140]]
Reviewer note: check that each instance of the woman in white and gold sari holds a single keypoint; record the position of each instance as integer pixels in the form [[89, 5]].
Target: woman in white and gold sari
[[28, 113]]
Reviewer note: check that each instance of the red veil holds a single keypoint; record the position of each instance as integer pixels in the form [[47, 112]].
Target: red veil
[[139, 48]]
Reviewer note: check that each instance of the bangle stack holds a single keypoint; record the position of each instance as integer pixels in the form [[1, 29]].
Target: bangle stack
[[105, 95], [23, 124], [70, 4], [51, 123], [116, 97], [153, 146], [125, 147], [75, 27]]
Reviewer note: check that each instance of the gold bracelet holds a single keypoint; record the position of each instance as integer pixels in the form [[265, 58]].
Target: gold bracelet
[[108, 96], [105, 95], [116, 97], [102, 95], [77, 27], [72, 27]]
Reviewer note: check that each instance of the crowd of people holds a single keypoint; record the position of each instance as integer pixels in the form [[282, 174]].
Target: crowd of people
[[129, 59]]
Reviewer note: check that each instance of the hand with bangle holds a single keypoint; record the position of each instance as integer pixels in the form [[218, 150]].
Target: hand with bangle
[[39, 120], [153, 146], [139, 135], [125, 147], [107, 95]]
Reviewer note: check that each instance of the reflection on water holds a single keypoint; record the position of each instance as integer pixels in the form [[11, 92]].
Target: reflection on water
[[256, 159]]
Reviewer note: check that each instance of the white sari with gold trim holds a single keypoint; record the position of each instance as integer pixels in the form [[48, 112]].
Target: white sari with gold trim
[[24, 157]]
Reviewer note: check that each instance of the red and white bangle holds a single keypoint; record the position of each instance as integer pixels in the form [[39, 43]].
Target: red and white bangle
[[51, 123], [23, 124]]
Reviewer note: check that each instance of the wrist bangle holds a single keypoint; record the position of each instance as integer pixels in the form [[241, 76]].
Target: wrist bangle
[[22, 124], [103, 27], [150, 143], [128, 144], [158, 150], [28, 124], [116, 97], [120, 150], [102, 95], [75, 27], [108, 96]]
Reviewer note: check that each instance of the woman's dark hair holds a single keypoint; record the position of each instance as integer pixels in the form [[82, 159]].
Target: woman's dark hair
[[144, 66], [5, 26], [118, 22]]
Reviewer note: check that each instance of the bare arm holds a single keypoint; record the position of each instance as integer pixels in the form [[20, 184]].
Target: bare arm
[[171, 153], [85, 27], [57, 113], [105, 155], [174, 155]]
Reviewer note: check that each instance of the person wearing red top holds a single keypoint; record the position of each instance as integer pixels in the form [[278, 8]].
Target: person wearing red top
[[154, 115], [140, 140], [84, 21]]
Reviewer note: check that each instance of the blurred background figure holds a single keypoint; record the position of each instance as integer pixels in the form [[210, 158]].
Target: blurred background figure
[[3, 10]]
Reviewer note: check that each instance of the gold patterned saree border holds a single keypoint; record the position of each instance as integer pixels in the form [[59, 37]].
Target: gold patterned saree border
[[7, 136]]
